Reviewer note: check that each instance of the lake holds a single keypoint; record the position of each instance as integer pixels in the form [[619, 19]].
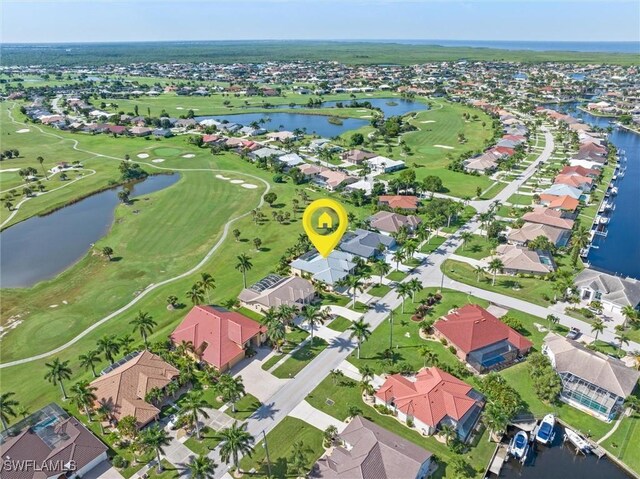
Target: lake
[[319, 124], [41, 247], [561, 462], [619, 251]]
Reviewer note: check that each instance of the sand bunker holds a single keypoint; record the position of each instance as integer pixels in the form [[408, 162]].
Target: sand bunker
[[237, 182], [249, 186], [9, 170], [24, 130], [363, 111], [142, 155], [444, 146], [158, 160], [189, 155], [366, 116], [222, 177], [428, 121], [179, 108]]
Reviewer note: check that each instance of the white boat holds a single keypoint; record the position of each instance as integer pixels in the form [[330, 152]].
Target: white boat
[[544, 432], [614, 190], [577, 440], [604, 220], [519, 445]]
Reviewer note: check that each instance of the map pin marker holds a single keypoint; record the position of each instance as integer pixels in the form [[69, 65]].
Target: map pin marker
[[325, 221]]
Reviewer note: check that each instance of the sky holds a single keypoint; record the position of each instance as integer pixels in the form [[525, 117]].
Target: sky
[[43, 21]]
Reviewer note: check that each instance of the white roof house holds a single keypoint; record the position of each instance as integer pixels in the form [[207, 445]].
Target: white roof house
[[384, 164]]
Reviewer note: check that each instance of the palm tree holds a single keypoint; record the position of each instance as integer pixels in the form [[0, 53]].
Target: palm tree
[[154, 439], [404, 291], [449, 432], [366, 372], [416, 285], [201, 467], [6, 407], [244, 265], [193, 406], [103, 411], [108, 252], [235, 440], [232, 389], [465, 236], [82, 396], [207, 283], [579, 240], [353, 411], [381, 268], [495, 418], [630, 314], [89, 361], [41, 161], [195, 294], [552, 319], [597, 326], [428, 356], [144, 324], [58, 371], [623, 337], [398, 256], [23, 411], [312, 315], [361, 331], [276, 332], [495, 266], [352, 283], [109, 346], [479, 270], [126, 344]]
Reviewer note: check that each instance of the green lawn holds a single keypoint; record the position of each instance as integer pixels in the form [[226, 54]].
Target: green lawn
[[204, 445], [478, 247], [245, 407], [379, 290], [169, 471], [433, 244], [339, 324], [294, 337], [300, 358], [396, 276], [249, 313], [280, 444], [518, 199], [623, 443]]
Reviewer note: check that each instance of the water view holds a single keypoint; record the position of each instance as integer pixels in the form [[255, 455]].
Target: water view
[[619, 251], [43, 246]]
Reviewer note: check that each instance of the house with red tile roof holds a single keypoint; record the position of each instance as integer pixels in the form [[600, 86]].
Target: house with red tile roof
[[480, 339], [431, 399], [581, 171], [400, 202], [584, 183], [548, 216], [564, 203], [220, 337]]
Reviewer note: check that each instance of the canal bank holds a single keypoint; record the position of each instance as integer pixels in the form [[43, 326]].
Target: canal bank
[[619, 251]]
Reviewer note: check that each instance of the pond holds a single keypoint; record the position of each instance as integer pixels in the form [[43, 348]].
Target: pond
[[319, 124], [41, 247]]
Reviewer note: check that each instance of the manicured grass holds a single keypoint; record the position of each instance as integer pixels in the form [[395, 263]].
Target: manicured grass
[[478, 247], [433, 244], [169, 471], [294, 337], [396, 276], [204, 445], [518, 199], [623, 443], [328, 299], [300, 358], [245, 407], [468, 213], [249, 313], [280, 442], [379, 290], [339, 324]]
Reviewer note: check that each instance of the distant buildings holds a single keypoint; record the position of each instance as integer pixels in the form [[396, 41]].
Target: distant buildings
[[592, 382], [401, 202], [389, 222], [366, 244]]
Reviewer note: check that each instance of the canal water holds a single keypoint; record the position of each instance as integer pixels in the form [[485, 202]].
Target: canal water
[[619, 251], [43, 246], [319, 124], [561, 462]]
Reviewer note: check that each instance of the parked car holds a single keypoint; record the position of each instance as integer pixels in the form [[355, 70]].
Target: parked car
[[173, 420], [574, 333]]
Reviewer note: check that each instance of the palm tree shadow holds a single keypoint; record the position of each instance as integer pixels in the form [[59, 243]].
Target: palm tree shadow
[[342, 344], [266, 411]]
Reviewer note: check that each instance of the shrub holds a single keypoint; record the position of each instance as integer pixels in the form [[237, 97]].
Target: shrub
[[409, 422], [444, 341], [119, 462], [452, 348]]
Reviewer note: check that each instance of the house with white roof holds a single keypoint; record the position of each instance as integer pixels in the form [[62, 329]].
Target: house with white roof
[[384, 165], [329, 270]]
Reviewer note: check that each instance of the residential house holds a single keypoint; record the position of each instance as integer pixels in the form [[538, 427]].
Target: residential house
[[593, 382], [220, 337], [581, 171], [389, 222], [333, 180], [480, 339], [357, 156], [400, 202], [383, 164], [266, 153], [365, 449], [565, 204], [564, 190], [487, 162], [521, 260], [583, 183], [548, 216], [162, 133], [125, 386], [530, 231], [140, 131], [366, 244], [282, 135], [612, 291], [274, 290], [431, 399], [329, 270], [290, 160], [50, 444]]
